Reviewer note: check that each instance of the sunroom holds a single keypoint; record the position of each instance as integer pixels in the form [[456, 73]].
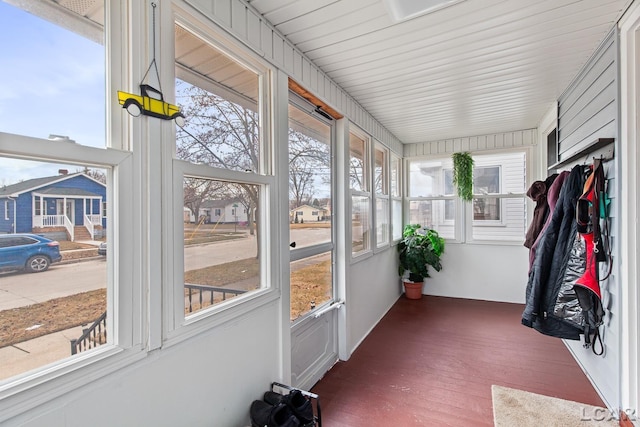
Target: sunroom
[[252, 238]]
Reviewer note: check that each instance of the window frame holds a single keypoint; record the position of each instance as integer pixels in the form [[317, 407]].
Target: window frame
[[66, 374], [396, 194], [126, 309], [463, 221], [300, 253], [499, 195], [383, 195], [368, 238], [177, 326]]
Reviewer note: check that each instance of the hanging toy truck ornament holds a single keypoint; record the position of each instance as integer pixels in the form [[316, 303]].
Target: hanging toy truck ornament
[[151, 103]]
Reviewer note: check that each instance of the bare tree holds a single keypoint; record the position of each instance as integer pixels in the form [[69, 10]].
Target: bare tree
[[96, 174], [309, 164], [196, 191], [221, 134], [356, 172]]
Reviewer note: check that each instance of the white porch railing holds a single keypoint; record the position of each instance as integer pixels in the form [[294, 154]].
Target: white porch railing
[[96, 219], [89, 221], [69, 226], [48, 220]]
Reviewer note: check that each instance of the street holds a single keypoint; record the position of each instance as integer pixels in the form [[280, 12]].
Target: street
[[20, 289]]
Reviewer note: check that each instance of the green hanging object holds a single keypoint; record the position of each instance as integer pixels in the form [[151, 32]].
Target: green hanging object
[[463, 175]]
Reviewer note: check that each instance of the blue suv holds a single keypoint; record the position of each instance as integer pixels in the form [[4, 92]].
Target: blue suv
[[28, 252]]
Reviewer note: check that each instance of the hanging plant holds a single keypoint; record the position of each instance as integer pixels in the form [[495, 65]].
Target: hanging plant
[[463, 175]]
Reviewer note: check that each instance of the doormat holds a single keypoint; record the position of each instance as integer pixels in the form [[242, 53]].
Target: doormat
[[521, 408]]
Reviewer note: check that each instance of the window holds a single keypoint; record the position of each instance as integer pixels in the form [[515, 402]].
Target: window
[[104, 209], [47, 170], [449, 204], [310, 188], [359, 180], [497, 212], [396, 197], [6, 210], [552, 148], [499, 204], [486, 181], [381, 184], [220, 162], [432, 202]]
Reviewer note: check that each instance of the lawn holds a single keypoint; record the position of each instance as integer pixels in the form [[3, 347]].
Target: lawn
[[309, 283], [21, 324]]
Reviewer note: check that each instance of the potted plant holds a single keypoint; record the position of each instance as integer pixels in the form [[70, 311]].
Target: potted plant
[[419, 248]]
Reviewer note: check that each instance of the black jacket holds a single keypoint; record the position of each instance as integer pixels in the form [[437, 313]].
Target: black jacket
[[551, 303]]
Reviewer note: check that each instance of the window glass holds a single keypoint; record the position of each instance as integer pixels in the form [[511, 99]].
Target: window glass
[[219, 98], [220, 251], [361, 198], [396, 215], [309, 179], [431, 214], [510, 227], [381, 171], [310, 214], [396, 194], [55, 86], [360, 223], [502, 217], [382, 221], [54, 248], [223, 181], [381, 186], [449, 204], [358, 158], [311, 283], [430, 178], [396, 178], [53, 90], [498, 210]]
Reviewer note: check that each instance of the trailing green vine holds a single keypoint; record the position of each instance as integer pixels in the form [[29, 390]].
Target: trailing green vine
[[463, 175]]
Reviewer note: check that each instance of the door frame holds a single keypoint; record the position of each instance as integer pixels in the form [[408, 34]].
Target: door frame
[[629, 159], [65, 203], [320, 324]]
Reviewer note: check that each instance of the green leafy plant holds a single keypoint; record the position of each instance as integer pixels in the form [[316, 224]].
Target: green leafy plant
[[463, 175], [419, 248]]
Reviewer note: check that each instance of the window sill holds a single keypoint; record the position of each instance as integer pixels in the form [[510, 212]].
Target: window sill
[[360, 257], [219, 315]]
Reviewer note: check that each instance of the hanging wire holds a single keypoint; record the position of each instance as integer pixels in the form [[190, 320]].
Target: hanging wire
[[153, 63]]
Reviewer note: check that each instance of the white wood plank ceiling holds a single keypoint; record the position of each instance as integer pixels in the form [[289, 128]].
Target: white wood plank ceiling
[[476, 67]]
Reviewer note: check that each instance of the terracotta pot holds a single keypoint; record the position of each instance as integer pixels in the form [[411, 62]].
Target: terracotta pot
[[413, 290]]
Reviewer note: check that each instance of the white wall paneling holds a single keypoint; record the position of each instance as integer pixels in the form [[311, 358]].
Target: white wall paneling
[[588, 110]]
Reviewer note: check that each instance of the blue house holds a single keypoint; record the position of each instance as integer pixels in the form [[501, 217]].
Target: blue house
[[70, 206]]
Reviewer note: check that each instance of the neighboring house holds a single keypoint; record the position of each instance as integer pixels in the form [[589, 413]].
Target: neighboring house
[[219, 211], [73, 204], [309, 213]]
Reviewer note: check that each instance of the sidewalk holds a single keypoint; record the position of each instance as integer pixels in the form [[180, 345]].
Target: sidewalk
[[36, 353]]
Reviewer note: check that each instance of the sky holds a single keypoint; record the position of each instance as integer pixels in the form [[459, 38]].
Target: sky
[[51, 82]]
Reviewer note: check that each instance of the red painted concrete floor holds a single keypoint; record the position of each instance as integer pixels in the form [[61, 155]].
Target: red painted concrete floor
[[431, 362]]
